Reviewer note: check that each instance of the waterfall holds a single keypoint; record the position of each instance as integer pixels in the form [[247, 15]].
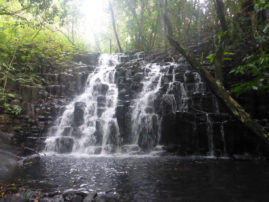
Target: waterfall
[[209, 129], [125, 108], [145, 122], [88, 124], [171, 83]]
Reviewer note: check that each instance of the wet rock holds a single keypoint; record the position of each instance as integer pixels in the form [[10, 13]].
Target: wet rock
[[101, 101], [99, 132], [14, 198], [5, 138], [172, 148], [58, 199], [55, 89], [64, 145], [33, 159], [29, 93], [87, 58], [74, 195], [108, 197], [79, 113], [76, 133], [113, 131], [113, 136], [67, 131], [123, 58], [101, 88], [90, 197], [148, 137], [189, 77], [169, 105], [53, 194]]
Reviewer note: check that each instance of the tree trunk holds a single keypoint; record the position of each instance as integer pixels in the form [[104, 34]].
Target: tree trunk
[[114, 25], [218, 61], [219, 90], [237, 110], [221, 15]]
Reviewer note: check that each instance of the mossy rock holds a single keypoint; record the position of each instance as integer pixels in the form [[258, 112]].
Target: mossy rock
[[29, 93]]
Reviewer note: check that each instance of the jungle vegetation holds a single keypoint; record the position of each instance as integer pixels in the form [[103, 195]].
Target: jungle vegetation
[[42, 35]]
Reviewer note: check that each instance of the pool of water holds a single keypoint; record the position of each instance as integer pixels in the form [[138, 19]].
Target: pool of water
[[151, 178]]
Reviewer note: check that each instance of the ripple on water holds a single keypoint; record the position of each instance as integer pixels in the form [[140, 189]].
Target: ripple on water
[[151, 178]]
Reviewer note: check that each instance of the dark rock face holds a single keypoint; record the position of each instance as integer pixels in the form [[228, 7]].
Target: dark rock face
[[101, 88], [64, 145], [87, 58], [99, 132], [128, 79], [79, 113], [112, 136], [194, 121], [40, 106], [148, 139], [169, 104]]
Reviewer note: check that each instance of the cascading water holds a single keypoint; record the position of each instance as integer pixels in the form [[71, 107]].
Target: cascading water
[[145, 122], [210, 136], [88, 124], [125, 108]]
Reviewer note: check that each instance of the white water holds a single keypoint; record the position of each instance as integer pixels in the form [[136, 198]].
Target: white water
[[98, 130], [199, 85], [100, 85], [209, 129], [171, 83], [143, 112]]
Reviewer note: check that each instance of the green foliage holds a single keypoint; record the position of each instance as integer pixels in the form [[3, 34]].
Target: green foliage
[[32, 41], [13, 109], [212, 56], [141, 27], [261, 5], [257, 70]]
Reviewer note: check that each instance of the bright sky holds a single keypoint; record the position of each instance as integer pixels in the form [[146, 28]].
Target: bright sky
[[96, 17]]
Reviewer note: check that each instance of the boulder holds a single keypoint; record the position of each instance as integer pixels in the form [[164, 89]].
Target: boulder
[[101, 88], [98, 132], [74, 195], [113, 132], [189, 77], [169, 105], [101, 101], [79, 113], [90, 197], [64, 145]]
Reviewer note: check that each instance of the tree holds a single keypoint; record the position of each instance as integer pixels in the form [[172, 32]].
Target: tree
[[237, 110], [114, 25], [218, 60]]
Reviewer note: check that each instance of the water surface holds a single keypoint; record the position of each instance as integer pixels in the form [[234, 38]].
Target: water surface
[[151, 178]]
